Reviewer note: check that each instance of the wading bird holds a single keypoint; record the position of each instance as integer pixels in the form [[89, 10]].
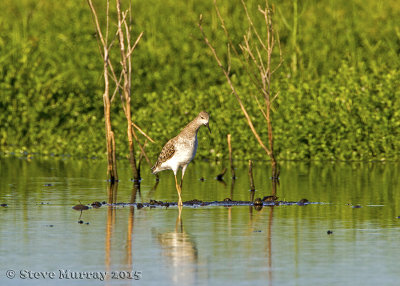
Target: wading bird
[[180, 150]]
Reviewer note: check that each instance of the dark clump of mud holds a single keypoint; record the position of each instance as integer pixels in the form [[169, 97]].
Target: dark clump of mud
[[157, 203], [269, 199], [259, 203], [96, 205], [302, 202], [80, 207]]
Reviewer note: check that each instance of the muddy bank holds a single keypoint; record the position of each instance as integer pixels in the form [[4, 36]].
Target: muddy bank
[[224, 203]]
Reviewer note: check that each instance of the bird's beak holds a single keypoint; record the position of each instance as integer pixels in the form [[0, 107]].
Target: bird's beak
[[208, 127]]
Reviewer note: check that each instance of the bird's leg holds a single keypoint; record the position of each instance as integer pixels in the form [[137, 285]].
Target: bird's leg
[[183, 173], [178, 188]]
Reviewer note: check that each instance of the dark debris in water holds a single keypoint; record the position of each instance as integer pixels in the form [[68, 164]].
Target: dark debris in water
[[80, 207], [269, 199], [329, 232], [258, 203], [96, 205], [4, 205], [302, 202]]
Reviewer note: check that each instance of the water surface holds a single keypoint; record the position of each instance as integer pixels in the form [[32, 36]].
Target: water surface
[[281, 245]]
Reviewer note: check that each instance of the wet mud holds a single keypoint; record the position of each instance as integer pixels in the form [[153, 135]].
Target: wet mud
[[225, 203]]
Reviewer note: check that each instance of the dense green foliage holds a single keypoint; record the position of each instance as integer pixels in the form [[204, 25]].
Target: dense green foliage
[[339, 84]]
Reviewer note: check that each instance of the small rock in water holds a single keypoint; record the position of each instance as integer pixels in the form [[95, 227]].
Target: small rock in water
[[80, 221], [329, 232], [269, 198], [96, 204], [80, 207], [194, 202], [258, 207], [302, 202]]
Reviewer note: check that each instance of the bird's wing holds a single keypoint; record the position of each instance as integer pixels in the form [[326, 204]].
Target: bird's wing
[[166, 153]]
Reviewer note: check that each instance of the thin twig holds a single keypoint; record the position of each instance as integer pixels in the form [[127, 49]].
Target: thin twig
[[144, 134], [242, 107]]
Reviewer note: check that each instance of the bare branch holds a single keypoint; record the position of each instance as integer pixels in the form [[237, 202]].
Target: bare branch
[[96, 21], [242, 107], [144, 134], [135, 44], [142, 148], [252, 25]]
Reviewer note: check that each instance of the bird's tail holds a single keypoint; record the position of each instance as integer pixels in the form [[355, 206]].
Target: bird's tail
[[154, 169]]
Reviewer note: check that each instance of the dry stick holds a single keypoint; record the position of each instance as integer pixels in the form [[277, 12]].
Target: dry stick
[[144, 134], [242, 107], [126, 70], [252, 75], [227, 73], [230, 156], [252, 188], [114, 156], [142, 148], [111, 157]]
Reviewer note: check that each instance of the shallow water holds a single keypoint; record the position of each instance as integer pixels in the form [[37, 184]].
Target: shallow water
[[281, 245]]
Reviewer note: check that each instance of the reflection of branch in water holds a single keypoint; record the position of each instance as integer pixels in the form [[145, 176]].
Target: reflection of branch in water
[[112, 199], [232, 188], [230, 208], [135, 190], [269, 244], [181, 253], [220, 176], [153, 190]]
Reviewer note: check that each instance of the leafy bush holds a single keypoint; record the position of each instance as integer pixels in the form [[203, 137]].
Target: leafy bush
[[341, 102]]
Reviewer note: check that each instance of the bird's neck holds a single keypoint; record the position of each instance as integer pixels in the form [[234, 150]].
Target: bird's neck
[[191, 129]]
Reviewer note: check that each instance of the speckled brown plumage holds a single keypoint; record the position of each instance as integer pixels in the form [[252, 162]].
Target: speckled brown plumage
[[166, 153]]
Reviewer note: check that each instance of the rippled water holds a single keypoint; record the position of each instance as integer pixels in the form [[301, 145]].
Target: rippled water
[[282, 245]]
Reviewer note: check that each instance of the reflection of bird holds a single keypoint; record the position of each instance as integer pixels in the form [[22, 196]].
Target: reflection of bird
[[180, 150], [181, 253]]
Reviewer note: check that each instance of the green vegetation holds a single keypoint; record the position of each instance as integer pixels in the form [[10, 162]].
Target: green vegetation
[[339, 85]]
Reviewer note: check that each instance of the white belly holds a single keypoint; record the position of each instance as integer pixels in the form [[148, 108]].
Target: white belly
[[185, 150]]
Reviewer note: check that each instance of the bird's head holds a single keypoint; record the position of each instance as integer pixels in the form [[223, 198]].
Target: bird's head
[[203, 118]]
